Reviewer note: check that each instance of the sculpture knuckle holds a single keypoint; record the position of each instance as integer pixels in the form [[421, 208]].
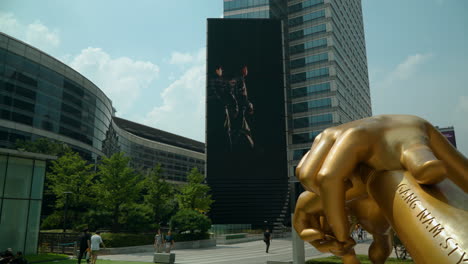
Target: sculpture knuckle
[[356, 131], [327, 133], [323, 178]]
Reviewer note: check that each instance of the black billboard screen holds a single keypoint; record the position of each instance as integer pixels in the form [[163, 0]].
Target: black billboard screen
[[245, 121]]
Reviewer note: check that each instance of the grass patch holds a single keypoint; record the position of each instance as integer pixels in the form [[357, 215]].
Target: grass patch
[[45, 257], [364, 260], [99, 261]]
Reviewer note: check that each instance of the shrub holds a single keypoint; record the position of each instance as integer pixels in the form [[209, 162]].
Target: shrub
[[191, 236], [52, 221], [190, 220], [126, 240]]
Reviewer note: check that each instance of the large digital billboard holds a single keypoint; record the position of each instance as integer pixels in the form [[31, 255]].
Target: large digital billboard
[[245, 121]]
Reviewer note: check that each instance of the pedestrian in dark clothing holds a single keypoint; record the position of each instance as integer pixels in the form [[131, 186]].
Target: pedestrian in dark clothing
[[85, 244], [267, 239]]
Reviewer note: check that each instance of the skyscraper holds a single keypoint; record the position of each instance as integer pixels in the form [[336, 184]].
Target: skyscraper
[[325, 64]]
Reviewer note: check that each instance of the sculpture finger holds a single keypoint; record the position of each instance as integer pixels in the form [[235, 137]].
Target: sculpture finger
[[311, 163], [419, 159], [456, 163], [307, 227], [305, 218], [348, 151]]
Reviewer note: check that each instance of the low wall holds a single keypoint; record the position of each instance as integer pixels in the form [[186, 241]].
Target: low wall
[[195, 244], [150, 248], [228, 239], [127, 250]]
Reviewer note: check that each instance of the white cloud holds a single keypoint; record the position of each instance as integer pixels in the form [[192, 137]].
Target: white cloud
[[35, 34], [183, 107], [122, 79], [40, 35], [187, 58], [407, 68], [180, 58], [401, 75]]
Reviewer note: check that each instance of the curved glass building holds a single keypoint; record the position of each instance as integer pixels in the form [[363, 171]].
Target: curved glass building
[[42, 97]]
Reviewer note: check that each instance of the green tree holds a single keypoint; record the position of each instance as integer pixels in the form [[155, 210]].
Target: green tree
[[195, 194], [160, 195], [119, 185], [70, 179]]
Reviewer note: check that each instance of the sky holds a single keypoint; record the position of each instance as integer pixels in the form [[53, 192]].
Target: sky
[[148, 56]]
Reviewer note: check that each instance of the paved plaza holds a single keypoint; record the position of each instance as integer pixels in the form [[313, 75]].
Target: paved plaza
[[244, 253]]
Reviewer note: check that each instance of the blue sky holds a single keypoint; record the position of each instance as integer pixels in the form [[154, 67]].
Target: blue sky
[[149, 56]]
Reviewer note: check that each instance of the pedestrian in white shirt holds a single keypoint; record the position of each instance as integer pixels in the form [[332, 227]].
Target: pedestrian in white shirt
[[96, 242]]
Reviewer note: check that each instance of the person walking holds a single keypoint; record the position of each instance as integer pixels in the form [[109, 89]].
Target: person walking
[[96, 242], [169, 240], [158, 242], [267, 239], [85, 244]]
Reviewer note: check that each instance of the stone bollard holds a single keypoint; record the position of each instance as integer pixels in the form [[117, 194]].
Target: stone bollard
[[164, 258]]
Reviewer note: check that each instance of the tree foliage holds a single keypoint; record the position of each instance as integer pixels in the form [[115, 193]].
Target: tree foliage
[[118, 185], [113, 195], [70, 179], [160, 195], [195, 195]]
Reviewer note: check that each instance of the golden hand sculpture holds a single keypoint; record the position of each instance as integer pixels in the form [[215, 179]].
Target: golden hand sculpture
[[406, 149], [311, 224]]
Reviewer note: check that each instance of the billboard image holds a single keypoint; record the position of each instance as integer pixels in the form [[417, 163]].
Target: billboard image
[[245, 120]]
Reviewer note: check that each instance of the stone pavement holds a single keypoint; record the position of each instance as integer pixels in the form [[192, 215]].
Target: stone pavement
[[245, 253]]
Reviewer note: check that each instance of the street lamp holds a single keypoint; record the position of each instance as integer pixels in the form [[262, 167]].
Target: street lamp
[[65, 213]]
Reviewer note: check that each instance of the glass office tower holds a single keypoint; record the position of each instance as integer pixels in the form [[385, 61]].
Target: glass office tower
[[325, 63]]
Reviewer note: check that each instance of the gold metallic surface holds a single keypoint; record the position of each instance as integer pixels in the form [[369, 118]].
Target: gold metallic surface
[[373, 169]]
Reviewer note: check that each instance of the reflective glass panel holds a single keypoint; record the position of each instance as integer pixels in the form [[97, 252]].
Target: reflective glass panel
[[18, 181], [13, 224], [32, 233], [38, 179]]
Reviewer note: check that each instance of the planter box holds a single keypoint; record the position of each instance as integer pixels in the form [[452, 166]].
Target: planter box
[[164, 258]]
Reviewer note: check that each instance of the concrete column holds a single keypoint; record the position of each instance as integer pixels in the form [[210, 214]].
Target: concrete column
[[298, 247]]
